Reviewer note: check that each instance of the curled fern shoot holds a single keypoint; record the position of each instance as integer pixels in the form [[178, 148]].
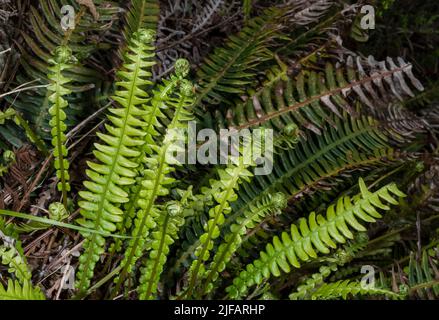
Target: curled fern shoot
[[117, 153], [316, 232], [60, 62]]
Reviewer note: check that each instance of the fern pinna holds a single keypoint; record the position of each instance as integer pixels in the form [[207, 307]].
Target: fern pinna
[[316, 232], [59, 63], [117, 152]]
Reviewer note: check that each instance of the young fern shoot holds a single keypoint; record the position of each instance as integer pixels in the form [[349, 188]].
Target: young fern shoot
[[60, 62]]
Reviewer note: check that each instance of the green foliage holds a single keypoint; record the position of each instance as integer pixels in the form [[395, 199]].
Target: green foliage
[[423, 276], [16, 291], [156, 179], [316, 232], [56, 90], [155, 228], [41, 36], [346, 288], [118, 151], [11, 255]]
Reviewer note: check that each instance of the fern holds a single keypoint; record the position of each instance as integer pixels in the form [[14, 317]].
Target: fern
[[11, 257], [163, 237], [423, 275], [153, 117], [247, 8], [339, 259], [272, 204], [311, 99], [342, 289], [223, 192], [315, 232], [60, 62], [142, 14], [313, 164], [16, 291], [228, 70], [156, 181], [100, 204], [42, 35]]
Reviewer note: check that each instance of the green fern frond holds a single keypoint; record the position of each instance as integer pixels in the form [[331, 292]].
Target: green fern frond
[[311, 98], [153, 118], [228, 70], [16, 261], [16, 291], [339, 259], [316, 232], [317, 158], [168, 225], [156, 180], [271, 204], [247, 8], [315, 161], [223, 192], [423, 275], [57, 89], [343, 289], [142, 14], [42, 35], [118, 151]]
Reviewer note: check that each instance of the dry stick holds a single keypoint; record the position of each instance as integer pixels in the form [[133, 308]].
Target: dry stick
[[23, 89]]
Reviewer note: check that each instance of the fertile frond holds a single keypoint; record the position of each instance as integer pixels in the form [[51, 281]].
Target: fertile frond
[[16, 291], [316, 232], [117, 152], [317, 162], [56, 90], [153, 117]]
